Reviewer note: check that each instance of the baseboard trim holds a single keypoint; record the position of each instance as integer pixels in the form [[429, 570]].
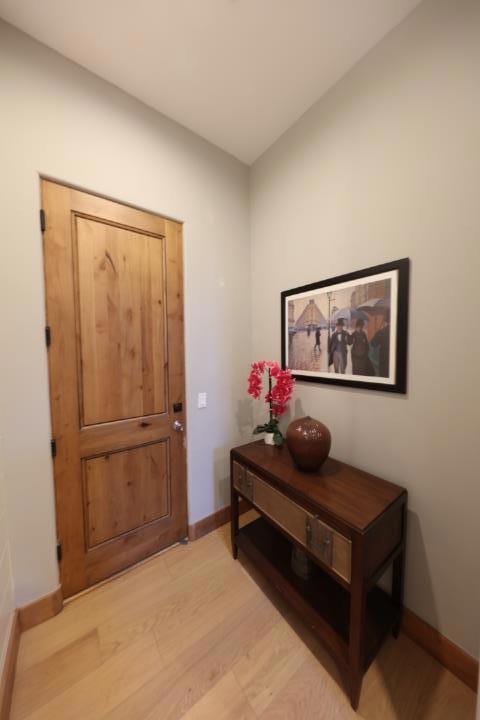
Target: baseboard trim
[[214, 521], [40, 610], [7, 675], [453, 658]]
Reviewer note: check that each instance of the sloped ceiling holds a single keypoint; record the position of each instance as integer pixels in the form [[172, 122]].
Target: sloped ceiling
[[236, 72]]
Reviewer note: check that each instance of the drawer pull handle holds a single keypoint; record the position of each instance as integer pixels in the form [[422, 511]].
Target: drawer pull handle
[[308, 530]]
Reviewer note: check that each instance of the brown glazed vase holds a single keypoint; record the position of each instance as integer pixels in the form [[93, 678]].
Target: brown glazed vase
[[309, 443]]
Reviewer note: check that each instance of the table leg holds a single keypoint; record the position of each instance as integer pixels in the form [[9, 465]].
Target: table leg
[[356, 651], [234, 521], [397, 589], [398, 571]]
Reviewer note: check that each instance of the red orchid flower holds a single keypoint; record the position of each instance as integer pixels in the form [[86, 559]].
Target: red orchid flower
[[278, 395]]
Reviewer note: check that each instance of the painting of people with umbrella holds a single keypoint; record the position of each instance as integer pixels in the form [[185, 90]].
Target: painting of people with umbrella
[[349, 330]]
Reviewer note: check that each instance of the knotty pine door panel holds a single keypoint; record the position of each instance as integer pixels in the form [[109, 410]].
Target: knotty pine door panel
[[114, 296], [121, 319], [125, 490]]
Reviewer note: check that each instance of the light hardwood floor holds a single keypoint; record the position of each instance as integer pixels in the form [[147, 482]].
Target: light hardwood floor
[[193, 634]]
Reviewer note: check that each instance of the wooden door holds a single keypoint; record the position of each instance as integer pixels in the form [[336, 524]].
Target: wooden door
[[114, 298]]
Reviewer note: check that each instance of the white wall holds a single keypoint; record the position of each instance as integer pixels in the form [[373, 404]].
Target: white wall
[[59, 120], [387, 165], [6, 579]]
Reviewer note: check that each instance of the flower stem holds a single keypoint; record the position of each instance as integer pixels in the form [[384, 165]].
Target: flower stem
[[270, 393]]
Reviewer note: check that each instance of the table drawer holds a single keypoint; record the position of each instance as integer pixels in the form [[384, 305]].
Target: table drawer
[[243, 480], [329, 546]]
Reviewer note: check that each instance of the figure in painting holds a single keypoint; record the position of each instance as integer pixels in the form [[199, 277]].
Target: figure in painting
[[337, 351], [317, 339], [381, 340], [361, 363]]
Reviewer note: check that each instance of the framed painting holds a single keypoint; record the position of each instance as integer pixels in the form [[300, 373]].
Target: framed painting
[[350, 330]]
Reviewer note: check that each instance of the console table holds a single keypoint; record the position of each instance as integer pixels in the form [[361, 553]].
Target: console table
[[350, 523]]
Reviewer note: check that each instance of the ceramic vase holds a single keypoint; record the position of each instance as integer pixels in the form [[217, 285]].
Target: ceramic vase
[[309, 443]]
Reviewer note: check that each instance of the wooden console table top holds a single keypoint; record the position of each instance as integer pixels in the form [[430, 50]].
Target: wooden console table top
[[355, 497]]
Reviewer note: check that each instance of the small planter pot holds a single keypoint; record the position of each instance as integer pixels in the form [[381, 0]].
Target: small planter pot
[[268, 439]]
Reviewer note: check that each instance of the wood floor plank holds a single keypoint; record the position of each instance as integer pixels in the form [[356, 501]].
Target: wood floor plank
[[121, 596], [182, 598], [195, 671], [225, 701], [271, 663], [177, 627], [310, 694], [95, 695], [187, 558], [41, 683]]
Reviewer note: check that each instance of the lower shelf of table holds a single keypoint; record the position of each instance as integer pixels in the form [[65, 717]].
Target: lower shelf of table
[[323, 603]]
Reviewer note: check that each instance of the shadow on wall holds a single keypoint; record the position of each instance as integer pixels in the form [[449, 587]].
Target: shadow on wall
[[221, 457], [297, 412], [221, 477], [244, 417]]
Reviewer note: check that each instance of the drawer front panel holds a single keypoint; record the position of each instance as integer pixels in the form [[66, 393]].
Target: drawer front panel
[[326, 544], [320, 540], [286, 514], [243, 480], [342, 556]]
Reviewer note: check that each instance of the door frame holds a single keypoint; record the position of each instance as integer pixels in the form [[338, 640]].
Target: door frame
[[185, 516]]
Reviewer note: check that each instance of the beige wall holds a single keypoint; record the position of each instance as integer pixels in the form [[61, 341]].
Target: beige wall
[[59, 120], [387, 165]]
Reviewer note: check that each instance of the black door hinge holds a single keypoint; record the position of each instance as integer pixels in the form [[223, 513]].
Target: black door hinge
[[43, 220], [48, 336], [53, 447], [59, 551]]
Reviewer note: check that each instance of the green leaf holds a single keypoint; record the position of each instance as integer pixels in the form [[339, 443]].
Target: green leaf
[[278, 438], [260, 429]]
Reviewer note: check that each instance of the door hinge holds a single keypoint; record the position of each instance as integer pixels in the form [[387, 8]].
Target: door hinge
[[59, 551], [43, 220], [48, 336], [53, 447]]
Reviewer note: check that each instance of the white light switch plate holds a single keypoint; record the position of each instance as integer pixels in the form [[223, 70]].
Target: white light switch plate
[[202, 400]]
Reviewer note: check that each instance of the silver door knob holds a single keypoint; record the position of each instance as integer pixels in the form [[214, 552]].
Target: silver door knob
[[178, 426]]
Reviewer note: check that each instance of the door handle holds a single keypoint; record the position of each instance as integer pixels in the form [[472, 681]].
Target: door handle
[[178, 426]]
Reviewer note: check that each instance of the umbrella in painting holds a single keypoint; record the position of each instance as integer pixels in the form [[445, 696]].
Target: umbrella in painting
[[350, 315], [376, 306]]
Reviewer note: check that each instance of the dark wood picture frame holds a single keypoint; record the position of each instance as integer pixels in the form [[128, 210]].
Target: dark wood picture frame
[[397, 383]]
